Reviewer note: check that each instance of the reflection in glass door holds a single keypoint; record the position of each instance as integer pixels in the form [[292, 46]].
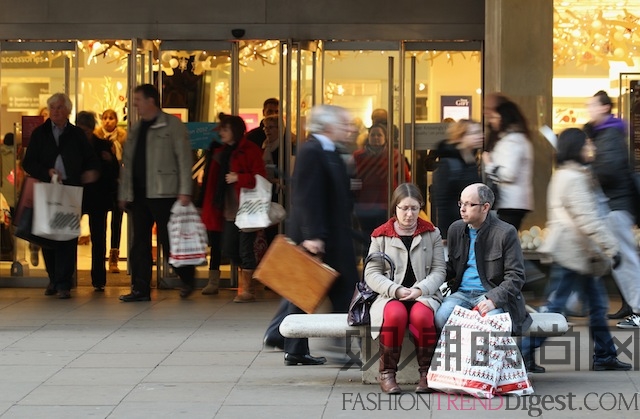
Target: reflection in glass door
[[442, 81], [362, 77], [30, 72]]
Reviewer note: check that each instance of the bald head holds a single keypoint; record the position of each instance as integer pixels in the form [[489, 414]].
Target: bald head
[[476, 201]]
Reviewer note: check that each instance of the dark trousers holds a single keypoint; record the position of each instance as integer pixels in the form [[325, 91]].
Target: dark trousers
[[60, 262], [273, 330], [238, 246], [215, 242], [144, 213], [98, 230], [593, 289], [512, 216], [116, 225]]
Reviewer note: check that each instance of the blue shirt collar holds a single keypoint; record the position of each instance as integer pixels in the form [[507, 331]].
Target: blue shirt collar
[[325, 142]]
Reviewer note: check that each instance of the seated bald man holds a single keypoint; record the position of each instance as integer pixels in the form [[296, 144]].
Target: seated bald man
[[485, 269]]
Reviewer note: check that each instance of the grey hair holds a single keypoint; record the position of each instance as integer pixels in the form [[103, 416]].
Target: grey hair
[[57, 97], [86, 119], [485, 195], [321, 117]]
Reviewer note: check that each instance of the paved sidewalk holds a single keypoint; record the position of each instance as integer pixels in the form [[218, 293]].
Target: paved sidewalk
[[95, 357]]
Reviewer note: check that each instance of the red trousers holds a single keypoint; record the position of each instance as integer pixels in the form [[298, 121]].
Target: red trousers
[[420, 318]]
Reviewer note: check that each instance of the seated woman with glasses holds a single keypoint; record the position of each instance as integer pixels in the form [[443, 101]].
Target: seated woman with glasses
[[413, 295]]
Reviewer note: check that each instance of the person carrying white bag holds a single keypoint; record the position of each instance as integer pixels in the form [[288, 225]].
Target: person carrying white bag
[[231, 166], [58, 147]]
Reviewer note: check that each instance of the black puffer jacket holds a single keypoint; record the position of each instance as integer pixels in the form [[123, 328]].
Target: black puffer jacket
[[611, 165]]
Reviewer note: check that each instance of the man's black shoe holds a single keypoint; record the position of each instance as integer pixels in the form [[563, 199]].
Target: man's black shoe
[[612, 365], [51, 290], [64, 294], [135, 296], [186, 291], [274, 343], [294, 359], [534, 368]]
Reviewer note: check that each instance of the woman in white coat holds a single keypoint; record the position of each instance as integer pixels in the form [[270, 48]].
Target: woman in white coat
[[508, 162], [577, 232], [413, 295]]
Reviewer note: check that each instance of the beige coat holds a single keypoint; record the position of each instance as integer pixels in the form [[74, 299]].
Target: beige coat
[[427, 260], [169, 160], [576, 230]]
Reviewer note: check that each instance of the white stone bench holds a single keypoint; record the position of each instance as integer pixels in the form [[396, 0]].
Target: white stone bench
[[335, 325]]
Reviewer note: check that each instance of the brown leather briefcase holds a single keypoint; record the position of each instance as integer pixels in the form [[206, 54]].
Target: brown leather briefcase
[[294, 274]]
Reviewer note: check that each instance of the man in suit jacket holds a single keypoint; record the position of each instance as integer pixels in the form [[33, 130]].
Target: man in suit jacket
[[320, 215]]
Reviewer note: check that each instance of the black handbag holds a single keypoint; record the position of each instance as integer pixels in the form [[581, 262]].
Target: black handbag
[[359, 313]]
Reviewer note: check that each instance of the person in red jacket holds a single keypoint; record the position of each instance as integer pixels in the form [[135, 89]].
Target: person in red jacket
[[232, 165], [372, 175]]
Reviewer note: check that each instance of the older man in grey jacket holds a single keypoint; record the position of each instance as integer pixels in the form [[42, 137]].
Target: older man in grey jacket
[[156, 172]]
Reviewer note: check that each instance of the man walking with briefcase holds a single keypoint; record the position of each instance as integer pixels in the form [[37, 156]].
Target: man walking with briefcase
[[320, 216]]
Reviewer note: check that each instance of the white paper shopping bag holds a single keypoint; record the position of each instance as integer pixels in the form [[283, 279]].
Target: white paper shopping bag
[[187, 236], [253, 211], [57, 209]]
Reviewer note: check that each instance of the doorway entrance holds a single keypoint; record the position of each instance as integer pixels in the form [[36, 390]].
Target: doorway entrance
[[417, 83]]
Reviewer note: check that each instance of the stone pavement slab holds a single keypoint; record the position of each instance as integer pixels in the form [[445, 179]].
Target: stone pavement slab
[[96, 357]]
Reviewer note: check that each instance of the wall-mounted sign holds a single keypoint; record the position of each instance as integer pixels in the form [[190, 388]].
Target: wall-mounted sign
[[455, 107], [201, 134], [25, 97], [180, 113], [251, 119], [28, 60], [426, 136]]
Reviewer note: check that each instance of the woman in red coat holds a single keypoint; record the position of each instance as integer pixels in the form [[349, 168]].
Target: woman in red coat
[[372, 170], [232, 165]]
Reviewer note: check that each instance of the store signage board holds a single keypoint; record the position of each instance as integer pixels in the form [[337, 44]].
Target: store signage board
[[201, 134], [455, 107], [23, 60], [25, 97], [427, 136], [251, 118]]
